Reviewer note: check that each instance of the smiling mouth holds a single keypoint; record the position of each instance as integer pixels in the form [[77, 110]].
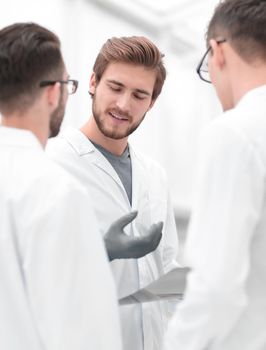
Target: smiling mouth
[[118, 117]]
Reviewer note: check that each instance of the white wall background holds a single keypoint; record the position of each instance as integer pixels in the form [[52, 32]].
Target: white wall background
[[171, 129]]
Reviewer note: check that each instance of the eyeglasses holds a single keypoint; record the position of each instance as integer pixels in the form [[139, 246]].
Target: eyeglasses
[[202, 68], [72, 85]]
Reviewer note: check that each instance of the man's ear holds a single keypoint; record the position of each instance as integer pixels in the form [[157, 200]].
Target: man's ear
[[218, 56], [53, 93], [92, 84]]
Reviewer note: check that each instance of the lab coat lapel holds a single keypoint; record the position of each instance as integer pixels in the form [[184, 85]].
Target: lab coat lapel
[[101, 162], [140, 193], [85, 148]]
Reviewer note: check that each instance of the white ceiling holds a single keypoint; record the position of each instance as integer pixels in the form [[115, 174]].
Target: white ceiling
[[180, 23], [163, 6]]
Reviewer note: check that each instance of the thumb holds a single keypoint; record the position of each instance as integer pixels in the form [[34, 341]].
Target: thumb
[[125, 220]]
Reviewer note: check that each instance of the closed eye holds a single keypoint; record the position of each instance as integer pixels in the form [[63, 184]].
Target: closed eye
[[114, 88], [140, 96]]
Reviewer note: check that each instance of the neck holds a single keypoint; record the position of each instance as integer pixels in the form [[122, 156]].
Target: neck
[[92, 132], [31, 121], [247, 77]]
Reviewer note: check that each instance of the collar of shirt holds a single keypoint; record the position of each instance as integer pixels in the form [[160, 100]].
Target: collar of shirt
[[82, 145], [251, 94], [19, 137], [108, 154]]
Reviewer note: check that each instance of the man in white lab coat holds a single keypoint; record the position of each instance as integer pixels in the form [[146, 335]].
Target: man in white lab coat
[[225, 302], [127, 78], [54, 273]]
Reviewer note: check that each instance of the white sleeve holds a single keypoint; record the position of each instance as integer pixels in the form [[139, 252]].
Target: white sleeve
[[70, 286], [229, 200]]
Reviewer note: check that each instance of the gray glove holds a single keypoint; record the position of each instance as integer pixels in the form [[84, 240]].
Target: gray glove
[[121, 246]]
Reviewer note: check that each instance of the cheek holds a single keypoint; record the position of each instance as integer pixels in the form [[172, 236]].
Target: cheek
[[142, 107], [210, 69], [66, 97], [105, 99], [138, 111], [100, 100]]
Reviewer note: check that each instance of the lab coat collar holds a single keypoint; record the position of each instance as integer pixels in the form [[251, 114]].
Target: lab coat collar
[[134, 153], [252, 94], [84, 147], [78, 141], [19, 137]]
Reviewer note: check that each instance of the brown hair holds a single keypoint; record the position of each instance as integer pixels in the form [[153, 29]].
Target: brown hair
[[29, 53], [136, 50], [243, 23]]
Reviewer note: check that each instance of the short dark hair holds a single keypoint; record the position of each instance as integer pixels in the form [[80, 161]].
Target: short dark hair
[[134, 50], [243, 24], [29, 53]]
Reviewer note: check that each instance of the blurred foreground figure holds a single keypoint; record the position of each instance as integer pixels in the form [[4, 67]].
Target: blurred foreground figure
[[225, 302], [56, 287], [127, 78]]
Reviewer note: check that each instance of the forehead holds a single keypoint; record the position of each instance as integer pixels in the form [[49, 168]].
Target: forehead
[[135, 77]]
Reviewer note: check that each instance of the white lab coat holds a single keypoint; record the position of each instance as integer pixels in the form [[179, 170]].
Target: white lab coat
[[225, 303], [140, 324], [54, 273]]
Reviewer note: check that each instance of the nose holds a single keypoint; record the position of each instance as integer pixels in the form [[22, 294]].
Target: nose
[[123, 102]]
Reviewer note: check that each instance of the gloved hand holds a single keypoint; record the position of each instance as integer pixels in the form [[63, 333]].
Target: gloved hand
[[121, 246]]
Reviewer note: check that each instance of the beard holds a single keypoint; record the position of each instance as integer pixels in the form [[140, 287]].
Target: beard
[[115, 133], [57, 117]]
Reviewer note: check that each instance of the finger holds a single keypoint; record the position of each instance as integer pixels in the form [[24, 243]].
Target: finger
[[156, 240], [155, 228], [120, 223], [154, 235]]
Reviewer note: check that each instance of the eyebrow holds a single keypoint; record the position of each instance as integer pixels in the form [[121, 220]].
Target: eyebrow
[[122, 85]]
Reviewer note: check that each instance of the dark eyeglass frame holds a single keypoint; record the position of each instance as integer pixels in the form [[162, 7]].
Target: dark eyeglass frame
[[74, 83], [199, 67]]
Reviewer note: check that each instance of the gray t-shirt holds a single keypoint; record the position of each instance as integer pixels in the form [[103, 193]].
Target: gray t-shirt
[[122, 166]]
